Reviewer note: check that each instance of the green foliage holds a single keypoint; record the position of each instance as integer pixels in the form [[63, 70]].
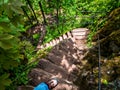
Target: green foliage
[[10, 13], [27, 49], [77, 13], [42, 53], [4, 81], [39, 54], [36, 36], [110, 67], [73, 14], [9, 53], [18, 77], [19, 74]]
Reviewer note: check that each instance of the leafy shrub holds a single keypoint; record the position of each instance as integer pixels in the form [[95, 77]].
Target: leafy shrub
[[10, 13]]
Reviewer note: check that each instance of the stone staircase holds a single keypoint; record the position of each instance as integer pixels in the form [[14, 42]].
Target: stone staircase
[[62, 61], [75, 34]]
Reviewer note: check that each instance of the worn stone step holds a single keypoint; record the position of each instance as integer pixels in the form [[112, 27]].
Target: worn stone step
[[64, 86], [79, 33], [68, 63], [27, 87], [66, 46], [53, 58], [80, 30], [67, 49], [37, 75], [56, 70], [40, 75], [58, 59], [74, 57], [60, 86], [58, 52], [81, 44], [82, 37]]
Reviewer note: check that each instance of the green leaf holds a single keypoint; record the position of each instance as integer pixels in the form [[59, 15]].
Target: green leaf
[[4, 81], [5, 45], [17, 3], [8, 64], [4, 76], [6, 37], [7, 82], [8, 10], [35, 36], [17, 10], [4, 26], [5, 41], [1, 2], [2, 87], [16, 20], [4, 19]]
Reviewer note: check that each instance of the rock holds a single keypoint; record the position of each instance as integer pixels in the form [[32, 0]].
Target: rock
[[38, 75], [56, 70], [25, 87], [63, 86], [66, 62]]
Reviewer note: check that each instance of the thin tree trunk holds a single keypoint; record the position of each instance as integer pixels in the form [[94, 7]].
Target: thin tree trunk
[[26, 14], [32, 10], [42, 13], [57, 12], [57, 15]]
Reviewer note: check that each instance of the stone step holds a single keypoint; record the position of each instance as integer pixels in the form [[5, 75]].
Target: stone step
[[58, 52], [60, 86], [47, 66], [81, 44], [80, 30], [64, 86], [65, 62], [82, 37], [79, 33], [37, 75], [66, 49], [40, 75], [27, 87], [66, 54], [66, 46]]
